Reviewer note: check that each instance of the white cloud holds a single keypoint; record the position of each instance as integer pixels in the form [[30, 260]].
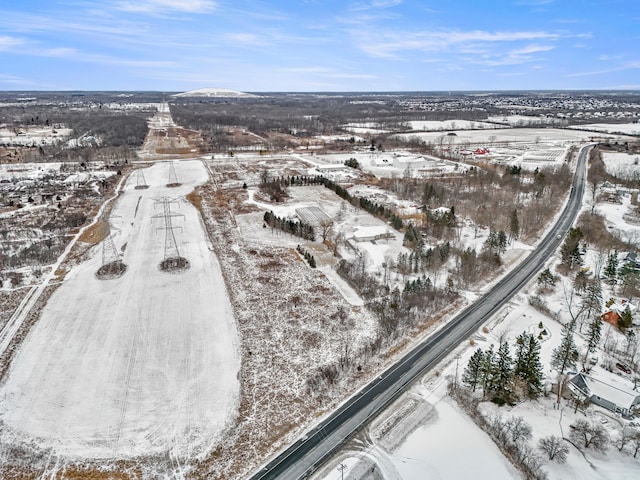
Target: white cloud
[[606, 58], [328, 73], [385, 3], [533, 48], [620, 68], [390, 44], [7, 42], [246, 39], [74, 54], [12, 80], [38, 23], [164, 6]]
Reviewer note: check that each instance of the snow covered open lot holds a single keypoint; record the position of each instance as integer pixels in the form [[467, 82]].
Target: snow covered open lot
[[138, 365], [622, 128], [536, 136]]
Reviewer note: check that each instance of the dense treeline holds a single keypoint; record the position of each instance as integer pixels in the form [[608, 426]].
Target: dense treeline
[[396, 311], [304, 114], [288, 225], [488, 197], [114, 128]]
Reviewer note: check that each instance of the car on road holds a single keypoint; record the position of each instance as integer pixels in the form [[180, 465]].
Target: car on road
[[623, 367]]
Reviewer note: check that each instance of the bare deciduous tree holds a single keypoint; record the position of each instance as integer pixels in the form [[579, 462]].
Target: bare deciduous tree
[[554, 448], [589, 435]]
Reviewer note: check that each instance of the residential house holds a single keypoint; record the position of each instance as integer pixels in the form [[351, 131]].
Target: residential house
[[606, 390]]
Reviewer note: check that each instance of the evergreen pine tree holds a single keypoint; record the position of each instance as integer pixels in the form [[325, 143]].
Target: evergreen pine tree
[[566, 354], [594, 333], [626, 319], [528, 367], [503, 377], [611, 270], [570, 250], [514, 225], [591, 301], [487, 370], [546, 278], [472, 375]]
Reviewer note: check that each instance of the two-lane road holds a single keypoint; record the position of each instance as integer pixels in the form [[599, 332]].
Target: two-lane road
[[308, 453]]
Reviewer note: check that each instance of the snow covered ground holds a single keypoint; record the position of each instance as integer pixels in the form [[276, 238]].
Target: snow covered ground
[[622, 165], [512, 135], [444, 443], [33, 135], [438, 441], [625, 128], [436, 449], [138, 365], [435, 125], [621, 219]]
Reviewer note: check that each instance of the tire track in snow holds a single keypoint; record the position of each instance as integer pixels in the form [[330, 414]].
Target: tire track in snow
[[127, 385]]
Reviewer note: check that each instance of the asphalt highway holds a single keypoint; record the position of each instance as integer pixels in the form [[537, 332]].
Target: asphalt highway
[[303, 457]]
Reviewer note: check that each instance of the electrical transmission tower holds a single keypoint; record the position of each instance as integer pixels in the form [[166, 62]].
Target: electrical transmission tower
[[141, 182], [172, 259], [173, 177], [112, 266]]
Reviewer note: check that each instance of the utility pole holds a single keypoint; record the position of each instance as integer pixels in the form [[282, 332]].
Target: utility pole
[[341, 467]]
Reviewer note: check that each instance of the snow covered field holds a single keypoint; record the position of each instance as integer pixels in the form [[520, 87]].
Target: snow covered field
[[435, 125], [31, 135], [436, 449], [437, 441], [624, 128], [622, 165], [138, 365], [511, 135]]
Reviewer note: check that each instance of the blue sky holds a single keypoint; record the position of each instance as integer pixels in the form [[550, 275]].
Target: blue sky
[[315, 45]]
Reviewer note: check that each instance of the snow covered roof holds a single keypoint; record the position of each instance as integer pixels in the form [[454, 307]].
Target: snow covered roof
[[619, 308], [370, 232], [78, 178], [608, 387]]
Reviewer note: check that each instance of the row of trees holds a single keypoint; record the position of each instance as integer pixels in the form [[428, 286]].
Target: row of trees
[[511, 435], [288, 225], [502, 377], [307, 256], [367, 205]]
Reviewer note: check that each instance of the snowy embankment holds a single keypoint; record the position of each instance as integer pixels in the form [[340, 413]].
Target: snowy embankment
[[138, 365]]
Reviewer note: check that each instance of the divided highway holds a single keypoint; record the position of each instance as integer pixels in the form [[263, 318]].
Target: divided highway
[[308, 453]]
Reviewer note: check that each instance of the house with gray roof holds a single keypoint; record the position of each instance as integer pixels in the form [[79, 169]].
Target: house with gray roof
[[606, 390]]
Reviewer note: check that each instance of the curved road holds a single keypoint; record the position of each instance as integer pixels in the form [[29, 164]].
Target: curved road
[[308, 453]]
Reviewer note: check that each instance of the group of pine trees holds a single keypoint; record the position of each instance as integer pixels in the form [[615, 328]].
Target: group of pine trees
[[421, 258], [496, 242], [503, 378], [288, 225], [307, 256]]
